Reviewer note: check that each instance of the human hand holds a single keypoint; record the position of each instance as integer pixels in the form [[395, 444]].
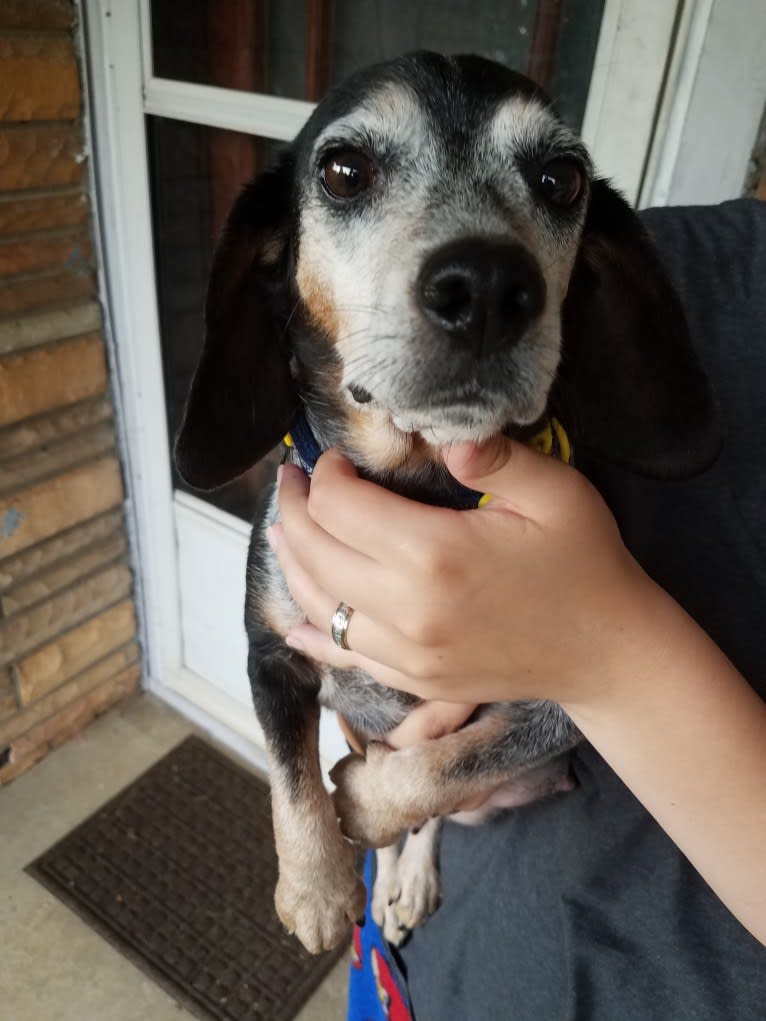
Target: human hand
[[429, 720], [535, 595], [530, 596]]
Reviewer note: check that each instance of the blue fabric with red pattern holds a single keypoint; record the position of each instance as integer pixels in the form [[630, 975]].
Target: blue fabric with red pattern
[[374, 993]]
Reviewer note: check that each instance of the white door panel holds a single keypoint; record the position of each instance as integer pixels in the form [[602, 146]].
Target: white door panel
[[212, 553], [212, 556]]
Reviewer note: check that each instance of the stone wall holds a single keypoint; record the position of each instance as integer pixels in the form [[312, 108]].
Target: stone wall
[[68, 647]]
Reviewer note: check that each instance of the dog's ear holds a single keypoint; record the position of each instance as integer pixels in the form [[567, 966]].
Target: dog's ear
[[631, 379], [243, 398]]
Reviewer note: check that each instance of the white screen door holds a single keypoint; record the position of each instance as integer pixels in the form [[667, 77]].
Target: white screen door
[[190, 100]]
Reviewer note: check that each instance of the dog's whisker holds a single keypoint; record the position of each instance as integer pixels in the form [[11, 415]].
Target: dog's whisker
[[289, 320]]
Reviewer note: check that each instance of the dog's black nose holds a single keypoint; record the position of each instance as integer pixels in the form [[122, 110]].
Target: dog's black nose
[[483, 293]]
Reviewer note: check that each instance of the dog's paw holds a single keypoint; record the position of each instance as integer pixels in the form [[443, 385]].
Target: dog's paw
[[318, 904], [419, 891], [367, 799], [406, 892], [386, 889]]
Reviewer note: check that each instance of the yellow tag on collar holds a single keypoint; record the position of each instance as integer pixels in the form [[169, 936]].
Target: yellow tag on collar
[[550, 440], [542, 441], [565, 447], [288, 440]]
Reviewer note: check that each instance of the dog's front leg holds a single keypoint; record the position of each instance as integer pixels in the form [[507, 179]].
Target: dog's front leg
[[386, 792], [318, 892]]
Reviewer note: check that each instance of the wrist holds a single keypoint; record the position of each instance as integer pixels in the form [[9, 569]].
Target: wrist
[[642, 637]]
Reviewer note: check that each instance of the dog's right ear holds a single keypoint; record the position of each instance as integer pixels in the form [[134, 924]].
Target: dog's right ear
[[630, 378], [243, 398]]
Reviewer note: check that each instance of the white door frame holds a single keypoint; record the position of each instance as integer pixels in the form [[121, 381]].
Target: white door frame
[[117, 47], [712, 105]]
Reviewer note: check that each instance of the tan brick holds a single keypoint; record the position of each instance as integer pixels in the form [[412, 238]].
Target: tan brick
[[16, 440], [39, 79], [17, 569], [50, 377], [46, 583], [43, 327], [31, 468], [96, 702], [37, 14], [41, 156], [27, 294], [39, 512], [28, 630], [65, 207], [68, 654], [18, 766], [8, 703], [83, 682], [33, 745], [41, 252]]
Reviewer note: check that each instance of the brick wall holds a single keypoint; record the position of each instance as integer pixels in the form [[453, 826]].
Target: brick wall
[[68, 646]]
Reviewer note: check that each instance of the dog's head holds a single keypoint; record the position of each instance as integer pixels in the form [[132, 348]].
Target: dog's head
[[433, 260]]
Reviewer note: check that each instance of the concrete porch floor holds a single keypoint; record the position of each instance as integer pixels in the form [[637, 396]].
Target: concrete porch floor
[[53, 967]]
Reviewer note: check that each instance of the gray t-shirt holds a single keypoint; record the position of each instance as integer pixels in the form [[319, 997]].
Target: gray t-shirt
[[581, 908]]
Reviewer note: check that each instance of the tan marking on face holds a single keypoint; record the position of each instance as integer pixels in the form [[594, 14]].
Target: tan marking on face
[[423, 453], [382, 447], [376, 440], [317, 299]]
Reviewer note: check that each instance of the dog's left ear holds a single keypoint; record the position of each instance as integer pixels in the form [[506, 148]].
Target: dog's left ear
[[243, 398], [630, 377]]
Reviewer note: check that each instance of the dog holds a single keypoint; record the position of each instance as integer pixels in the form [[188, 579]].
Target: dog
[[432, 260]]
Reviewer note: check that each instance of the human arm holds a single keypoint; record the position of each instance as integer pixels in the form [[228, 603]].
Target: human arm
[[536, 596]]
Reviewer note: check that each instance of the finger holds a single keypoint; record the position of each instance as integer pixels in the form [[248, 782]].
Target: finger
[[312, 642], [382, 525], [528, 482], [354, 576], [431, 719], [364, 635]]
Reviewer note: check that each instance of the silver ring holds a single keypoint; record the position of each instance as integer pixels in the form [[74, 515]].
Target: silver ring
[[339, 625]]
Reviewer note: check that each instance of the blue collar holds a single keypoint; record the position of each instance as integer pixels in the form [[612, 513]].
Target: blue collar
[[302, 440], [550, 440]]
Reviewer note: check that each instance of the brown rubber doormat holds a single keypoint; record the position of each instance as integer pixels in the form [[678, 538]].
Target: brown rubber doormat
[[178, 872]]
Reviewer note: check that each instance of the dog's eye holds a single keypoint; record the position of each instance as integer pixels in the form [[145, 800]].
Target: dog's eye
[[561, 182], [347, 174]]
